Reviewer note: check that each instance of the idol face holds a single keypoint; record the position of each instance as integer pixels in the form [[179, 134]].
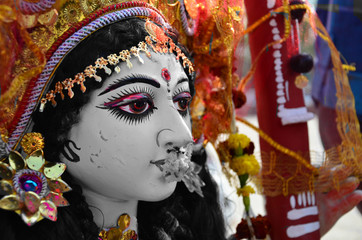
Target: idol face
[[130, 122]]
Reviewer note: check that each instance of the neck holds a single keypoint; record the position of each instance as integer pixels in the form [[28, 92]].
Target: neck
[[107, 210]]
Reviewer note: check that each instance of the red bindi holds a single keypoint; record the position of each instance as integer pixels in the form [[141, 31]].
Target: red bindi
[[166, 74]]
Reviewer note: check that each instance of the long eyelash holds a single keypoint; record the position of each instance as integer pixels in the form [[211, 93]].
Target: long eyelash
[[131, 91], [131, 118], [180, 90], [136, 89], [185, 113], [128, 117]]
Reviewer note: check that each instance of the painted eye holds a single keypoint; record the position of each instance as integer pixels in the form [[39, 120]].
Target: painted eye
[[133, 108], [138, 106], [182, 101], [182, 104]]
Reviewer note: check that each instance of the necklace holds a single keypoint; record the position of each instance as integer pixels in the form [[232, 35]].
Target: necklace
[[119, 232]]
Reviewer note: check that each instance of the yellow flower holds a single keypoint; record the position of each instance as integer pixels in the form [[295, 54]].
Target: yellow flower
[[245, 164], [238, 141], [245, 191]]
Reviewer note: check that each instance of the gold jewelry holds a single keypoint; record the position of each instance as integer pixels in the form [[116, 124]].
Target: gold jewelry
[[157, 40], [33, 187], [119, 233]]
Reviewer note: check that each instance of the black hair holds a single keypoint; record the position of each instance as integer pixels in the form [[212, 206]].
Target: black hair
[[183, 215]]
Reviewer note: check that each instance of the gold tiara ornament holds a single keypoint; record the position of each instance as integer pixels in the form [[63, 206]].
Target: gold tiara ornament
[[157, 40]]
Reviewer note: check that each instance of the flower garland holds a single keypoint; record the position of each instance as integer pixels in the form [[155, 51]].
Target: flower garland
[[237, 151]]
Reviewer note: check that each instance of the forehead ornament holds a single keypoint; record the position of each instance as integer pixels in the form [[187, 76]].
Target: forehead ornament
[[166, 74], [157, 41], [167, 77]]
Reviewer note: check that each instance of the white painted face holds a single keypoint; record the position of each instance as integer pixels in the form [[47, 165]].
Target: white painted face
[[132, 120]]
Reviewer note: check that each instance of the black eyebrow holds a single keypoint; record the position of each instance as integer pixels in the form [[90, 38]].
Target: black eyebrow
[[130, 80], [182, 80]]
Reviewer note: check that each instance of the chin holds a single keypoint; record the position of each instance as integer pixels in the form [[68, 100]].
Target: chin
[[161, 192]]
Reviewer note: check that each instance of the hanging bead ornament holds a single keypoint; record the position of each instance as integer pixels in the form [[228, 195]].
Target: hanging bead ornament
[[32, 186], [136, 52], [301, 81], [157, 40], [302, 62]]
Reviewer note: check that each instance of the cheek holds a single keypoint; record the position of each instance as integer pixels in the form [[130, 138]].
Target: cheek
[[121, 170], [122, 151], [128, 140]]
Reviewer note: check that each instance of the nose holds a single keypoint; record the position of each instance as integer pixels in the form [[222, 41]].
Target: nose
[[174, 131]]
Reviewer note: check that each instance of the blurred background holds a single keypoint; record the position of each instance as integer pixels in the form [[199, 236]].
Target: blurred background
[[350, 225]]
